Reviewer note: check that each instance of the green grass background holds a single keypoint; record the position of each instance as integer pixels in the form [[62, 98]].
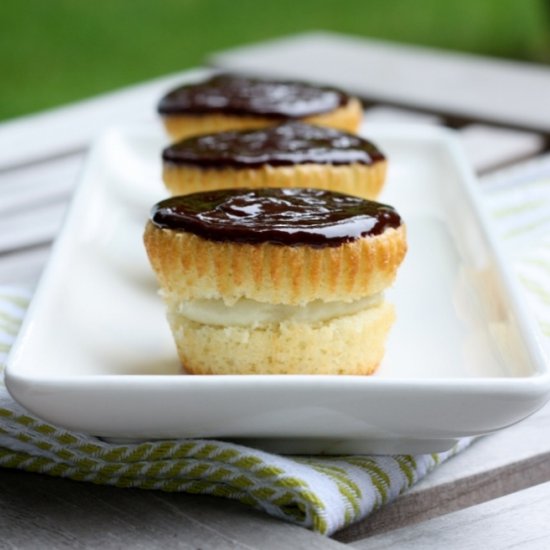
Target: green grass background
[[57, 51]]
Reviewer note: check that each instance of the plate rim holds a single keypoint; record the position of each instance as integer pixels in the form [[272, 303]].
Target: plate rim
[[534, 385]]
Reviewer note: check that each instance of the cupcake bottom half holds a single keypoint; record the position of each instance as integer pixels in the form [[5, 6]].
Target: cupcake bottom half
[[350, 344]]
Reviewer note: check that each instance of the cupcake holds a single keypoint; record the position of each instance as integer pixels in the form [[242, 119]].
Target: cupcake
[[276, 281], [229, 102], [293, 154]]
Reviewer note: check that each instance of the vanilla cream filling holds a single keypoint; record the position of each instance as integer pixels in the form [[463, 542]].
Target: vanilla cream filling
[[246, 312]]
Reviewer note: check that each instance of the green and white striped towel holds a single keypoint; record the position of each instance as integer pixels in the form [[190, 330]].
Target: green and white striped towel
[[321, 493]]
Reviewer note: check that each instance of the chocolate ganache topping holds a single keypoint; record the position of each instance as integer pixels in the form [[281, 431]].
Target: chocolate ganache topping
[[285, 145], [241, 96], [297, 216]]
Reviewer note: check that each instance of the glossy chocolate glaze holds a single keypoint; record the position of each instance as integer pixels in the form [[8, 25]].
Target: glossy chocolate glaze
[[241, 96], [311, 217], [289, 144]]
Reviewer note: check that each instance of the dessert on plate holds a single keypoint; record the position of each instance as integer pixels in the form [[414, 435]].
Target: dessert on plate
[[231, 102], [292, 154], [276, 281]]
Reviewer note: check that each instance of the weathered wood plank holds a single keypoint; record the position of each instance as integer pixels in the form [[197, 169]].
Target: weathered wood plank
[[24, 266], [488, 147], [32, 227], [43, 512], [519, 520], [33, 200], [389, 115], [38, 184], [438, 81]]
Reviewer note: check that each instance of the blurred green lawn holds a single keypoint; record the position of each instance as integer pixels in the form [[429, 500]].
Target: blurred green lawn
[[56, 51]]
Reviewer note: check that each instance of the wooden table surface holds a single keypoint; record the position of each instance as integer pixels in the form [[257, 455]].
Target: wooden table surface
[[494, 495]]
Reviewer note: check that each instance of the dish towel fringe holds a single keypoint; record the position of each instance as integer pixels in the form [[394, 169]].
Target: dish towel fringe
[[324, 494]]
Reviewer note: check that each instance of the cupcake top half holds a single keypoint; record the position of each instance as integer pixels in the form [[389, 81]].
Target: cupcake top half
[[274, 245], [294, 217], [292, 154], [225, 102], [284, 145]]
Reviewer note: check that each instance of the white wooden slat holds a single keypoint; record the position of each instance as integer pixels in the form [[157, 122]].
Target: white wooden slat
[[489, 89], [27, 196], [30, 228], [519, 520], [527, 171], [33, 200], [71, 128], [38, 184], [24, 266], [391, 115], [489, 147]]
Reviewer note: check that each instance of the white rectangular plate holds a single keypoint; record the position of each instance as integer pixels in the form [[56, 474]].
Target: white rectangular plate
[[95, 353]]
